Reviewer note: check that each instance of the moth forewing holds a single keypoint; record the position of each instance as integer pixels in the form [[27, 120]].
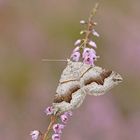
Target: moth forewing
[[92, 75], [100, 89], [67, 87]]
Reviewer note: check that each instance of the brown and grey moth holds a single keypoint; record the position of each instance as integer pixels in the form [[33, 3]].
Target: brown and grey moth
[[78, 80]]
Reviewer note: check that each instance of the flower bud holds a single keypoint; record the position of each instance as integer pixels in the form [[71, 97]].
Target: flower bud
[[92, 43], [35, 134], [77, 42], [82, 22]]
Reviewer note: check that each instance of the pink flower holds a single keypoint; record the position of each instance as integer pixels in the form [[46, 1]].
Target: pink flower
[[95, 33], [56, 137], [89, 52], [76, 49], [75, 56], [77, 42], [49, 110], [64, 118], [58, 128], [35, 134], [93, 44], [68, 114], [88, 60]]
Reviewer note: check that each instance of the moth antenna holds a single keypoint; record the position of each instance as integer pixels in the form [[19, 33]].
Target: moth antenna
[[55, 60]]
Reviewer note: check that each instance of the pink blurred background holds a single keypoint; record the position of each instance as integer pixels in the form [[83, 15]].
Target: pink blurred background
[[33, 30]]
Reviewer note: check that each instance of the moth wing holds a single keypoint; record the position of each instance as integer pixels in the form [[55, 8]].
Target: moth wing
[[76, 100], [69, 94], [73, 71], [98, 81]]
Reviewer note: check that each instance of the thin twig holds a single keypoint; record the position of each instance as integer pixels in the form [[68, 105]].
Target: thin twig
[[53, 120], [90, 24]]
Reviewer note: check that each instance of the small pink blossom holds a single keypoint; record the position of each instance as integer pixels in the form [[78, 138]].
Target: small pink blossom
[[64, 118], [56, 137], [92, 43], [58, 128], [35, 134], [75, 56], [95, 33], [68, 114], [89, 55], [92, 55], [49, 110], [76, 49], [89, 52], [88, 60], [77, 42]]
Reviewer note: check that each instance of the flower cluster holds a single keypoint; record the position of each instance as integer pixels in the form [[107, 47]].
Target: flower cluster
[[85, 51], [85, 48], [58, 127]]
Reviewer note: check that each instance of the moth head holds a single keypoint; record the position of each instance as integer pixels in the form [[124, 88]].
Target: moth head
[[116, 77]]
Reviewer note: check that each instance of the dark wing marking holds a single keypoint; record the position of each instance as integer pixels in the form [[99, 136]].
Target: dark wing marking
[[99, 79], [66, 97]]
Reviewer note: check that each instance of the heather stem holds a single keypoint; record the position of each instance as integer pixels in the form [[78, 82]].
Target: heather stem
[[46, 135], [41, 136], [90, 24]]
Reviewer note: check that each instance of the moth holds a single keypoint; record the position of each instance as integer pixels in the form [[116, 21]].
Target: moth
[[78, 80]]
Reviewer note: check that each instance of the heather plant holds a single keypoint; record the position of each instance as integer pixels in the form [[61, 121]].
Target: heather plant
[[81, 65]]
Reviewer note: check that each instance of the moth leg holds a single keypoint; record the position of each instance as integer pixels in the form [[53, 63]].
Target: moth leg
[[61, 107]]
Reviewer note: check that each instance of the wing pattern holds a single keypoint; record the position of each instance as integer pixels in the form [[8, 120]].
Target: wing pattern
[[78, 80]]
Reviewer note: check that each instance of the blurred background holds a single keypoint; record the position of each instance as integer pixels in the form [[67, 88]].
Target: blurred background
[[31, 30]]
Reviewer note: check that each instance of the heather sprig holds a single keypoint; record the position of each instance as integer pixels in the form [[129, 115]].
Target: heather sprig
[[86, 45], [84, 50]]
